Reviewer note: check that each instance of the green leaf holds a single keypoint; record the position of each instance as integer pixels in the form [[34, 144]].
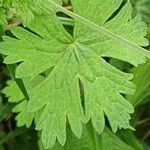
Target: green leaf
[[123, 39], [79, 58], [15, 95], [130, 138], [142, 80], [4, 6], [5, 3], [143, 7], [90, 140], [112, 142], [13, 92], [3, 20], [26, 9]]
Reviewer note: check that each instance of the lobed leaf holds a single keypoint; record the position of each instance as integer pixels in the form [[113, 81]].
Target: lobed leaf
[[78, 61], [27, 9], [15, 96], [91, 140]]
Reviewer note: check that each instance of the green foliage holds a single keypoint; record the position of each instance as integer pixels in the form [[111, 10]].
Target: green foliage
[[73, 59], [91, 140], [5, 110], [15, 95], [26, 9], [72, 70], [2, 17], [143, 84], [143, 7]]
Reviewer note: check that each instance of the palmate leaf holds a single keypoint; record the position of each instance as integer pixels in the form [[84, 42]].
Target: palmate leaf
[[79, 58]]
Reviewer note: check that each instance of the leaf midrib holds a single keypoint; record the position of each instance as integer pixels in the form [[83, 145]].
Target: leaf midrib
[[102, 30]]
